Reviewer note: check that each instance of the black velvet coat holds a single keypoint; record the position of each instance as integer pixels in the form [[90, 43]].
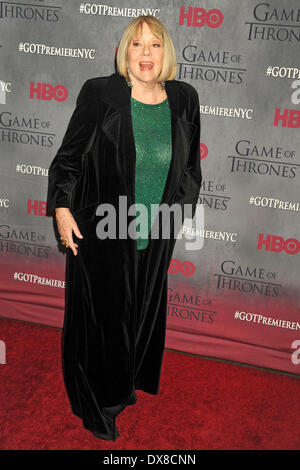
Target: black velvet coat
[[106, 352]]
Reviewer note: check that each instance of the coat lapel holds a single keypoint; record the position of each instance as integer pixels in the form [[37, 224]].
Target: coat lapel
[[117, 126]]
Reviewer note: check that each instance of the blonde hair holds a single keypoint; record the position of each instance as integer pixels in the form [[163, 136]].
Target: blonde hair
[[169, 67]]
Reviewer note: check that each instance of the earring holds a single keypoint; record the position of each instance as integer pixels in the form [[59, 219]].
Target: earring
[[163, 85], [129, 82]]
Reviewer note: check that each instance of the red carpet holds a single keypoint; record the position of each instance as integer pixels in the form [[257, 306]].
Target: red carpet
[[202, 404]]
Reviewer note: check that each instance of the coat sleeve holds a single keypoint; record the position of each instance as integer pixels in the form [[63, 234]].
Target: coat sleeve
[[67, 164], [190, 184]]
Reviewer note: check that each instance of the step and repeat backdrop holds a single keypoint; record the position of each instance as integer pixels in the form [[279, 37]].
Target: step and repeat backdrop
[[238, 297]]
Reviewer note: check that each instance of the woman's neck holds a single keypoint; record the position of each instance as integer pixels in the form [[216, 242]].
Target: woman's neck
[[148, 94]]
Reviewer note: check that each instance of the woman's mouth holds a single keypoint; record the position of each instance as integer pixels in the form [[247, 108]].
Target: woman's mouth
[[146, 65]]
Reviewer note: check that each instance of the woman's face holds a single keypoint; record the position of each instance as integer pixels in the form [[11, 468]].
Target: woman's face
[[145, 56]]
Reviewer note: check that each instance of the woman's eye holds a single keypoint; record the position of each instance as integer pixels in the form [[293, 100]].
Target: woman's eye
[[137, 43]]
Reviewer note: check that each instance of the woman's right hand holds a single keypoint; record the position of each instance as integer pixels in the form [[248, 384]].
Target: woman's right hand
[[66, 225]]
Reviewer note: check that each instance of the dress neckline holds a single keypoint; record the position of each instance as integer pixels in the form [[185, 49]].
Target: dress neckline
[[148, 104]]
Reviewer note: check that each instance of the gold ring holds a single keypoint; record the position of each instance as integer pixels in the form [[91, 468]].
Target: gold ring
[[64, 241]]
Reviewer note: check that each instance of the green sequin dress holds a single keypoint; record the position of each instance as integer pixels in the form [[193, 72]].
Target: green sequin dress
[[153, 143]]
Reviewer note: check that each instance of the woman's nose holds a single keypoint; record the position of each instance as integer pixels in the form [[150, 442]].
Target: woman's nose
[[146, 50]]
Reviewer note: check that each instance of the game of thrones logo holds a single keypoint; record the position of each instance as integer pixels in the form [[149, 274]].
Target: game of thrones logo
[[274, 24], [246, 279]]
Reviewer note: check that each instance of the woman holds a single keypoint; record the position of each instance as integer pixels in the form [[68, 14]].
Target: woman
[[135, 134]]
